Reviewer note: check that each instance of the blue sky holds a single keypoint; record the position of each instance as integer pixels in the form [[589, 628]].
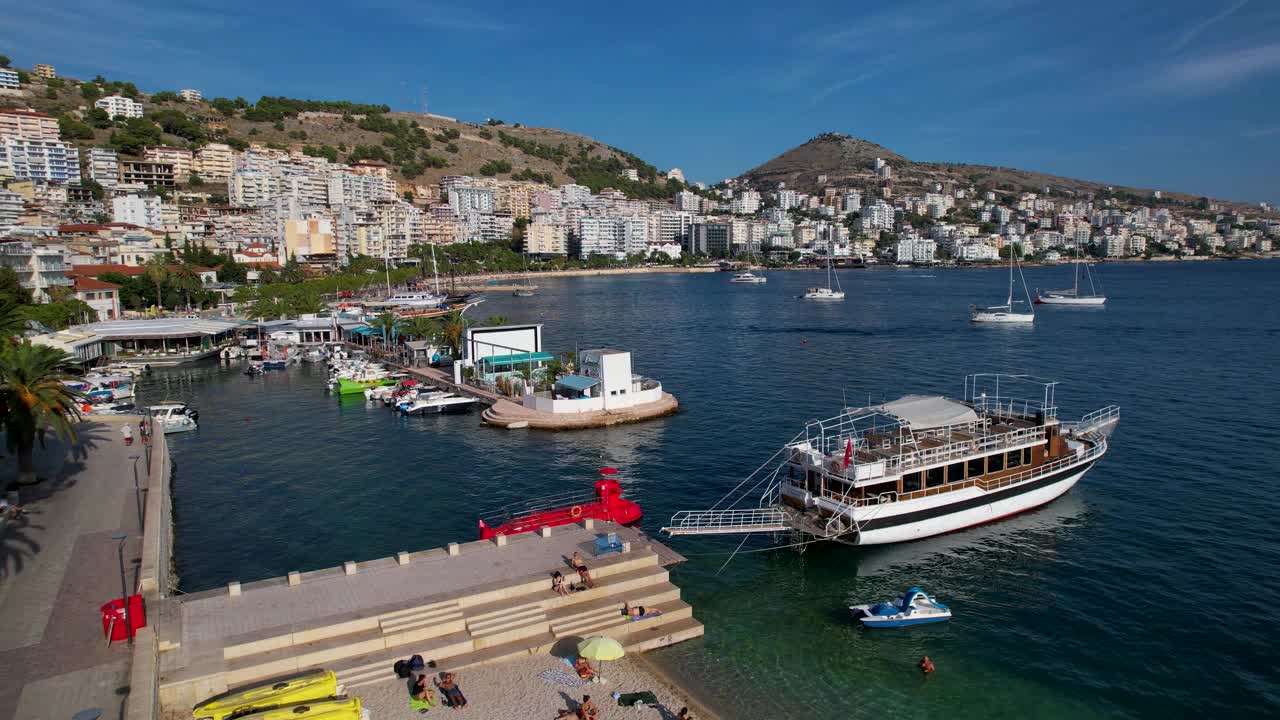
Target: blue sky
[[1176, 94]]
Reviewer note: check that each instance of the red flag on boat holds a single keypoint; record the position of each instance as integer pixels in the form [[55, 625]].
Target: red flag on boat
[[848, 452]]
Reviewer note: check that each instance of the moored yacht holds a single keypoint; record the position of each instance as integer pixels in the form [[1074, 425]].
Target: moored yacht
[[748, 277], [413, 299], [919, 466], [1074, 296], [1011, 311], [825, 293]]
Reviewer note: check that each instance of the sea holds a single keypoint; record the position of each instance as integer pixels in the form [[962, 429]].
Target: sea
[[1150, 590]]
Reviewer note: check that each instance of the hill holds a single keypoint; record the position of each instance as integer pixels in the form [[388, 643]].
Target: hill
[[420, 147], [846, 160]]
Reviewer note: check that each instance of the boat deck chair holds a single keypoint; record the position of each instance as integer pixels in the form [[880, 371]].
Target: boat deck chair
[[606, 544]]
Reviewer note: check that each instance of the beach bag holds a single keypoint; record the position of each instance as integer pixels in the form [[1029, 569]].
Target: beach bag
[[416, 664], [402, 669]]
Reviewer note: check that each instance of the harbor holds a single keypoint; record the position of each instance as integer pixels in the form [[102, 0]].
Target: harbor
[[284, 476]]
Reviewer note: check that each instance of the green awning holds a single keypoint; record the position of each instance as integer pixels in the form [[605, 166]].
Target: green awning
[[578, 382], [516, 359]]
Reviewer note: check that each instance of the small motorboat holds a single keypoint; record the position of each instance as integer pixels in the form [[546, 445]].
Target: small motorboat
[[915, 607], [436, 402], [255, 368], [748, 278], [174, 417]]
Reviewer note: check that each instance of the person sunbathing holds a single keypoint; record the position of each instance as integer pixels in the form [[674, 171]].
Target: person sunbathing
[[422, 690], [588, 709], [637, 612], [452, 693], [583, 667]]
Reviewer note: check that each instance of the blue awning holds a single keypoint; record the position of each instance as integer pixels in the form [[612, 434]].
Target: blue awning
[[516, 359], [364, 330], [578, 382]]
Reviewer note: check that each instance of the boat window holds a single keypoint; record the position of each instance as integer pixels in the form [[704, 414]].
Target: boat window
[[934, 476], [911, 482], [878, 489], [1013, 458], [976, 467], [955, 472], [995, 463], [1026, 456]]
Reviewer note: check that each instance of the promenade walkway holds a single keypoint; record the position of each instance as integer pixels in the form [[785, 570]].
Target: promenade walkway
[[58, 564]]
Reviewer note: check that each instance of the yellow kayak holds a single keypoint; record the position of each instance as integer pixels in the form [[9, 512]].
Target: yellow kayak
[[344, 708], [289, 690]]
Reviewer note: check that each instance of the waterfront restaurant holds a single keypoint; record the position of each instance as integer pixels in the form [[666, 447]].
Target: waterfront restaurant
[[164, 341], [604, 381]]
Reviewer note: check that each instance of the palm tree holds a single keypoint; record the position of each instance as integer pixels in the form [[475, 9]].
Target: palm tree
[[420, 328], [12, 319], [553, 370], [186, 279], [455, 327], [570, 362], [34, 400], [389, 323], [158, 273]]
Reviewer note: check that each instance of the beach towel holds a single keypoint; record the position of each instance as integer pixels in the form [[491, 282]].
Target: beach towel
[[646, 616], [560, 677], [638, 698], [570, 662], [419, 705]]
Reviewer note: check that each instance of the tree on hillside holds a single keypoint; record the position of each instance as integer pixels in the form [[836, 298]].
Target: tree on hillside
[[4, 61], [90, 91], [158, 273], [97, 117], [72, 129], [164, 96], [34, 400]]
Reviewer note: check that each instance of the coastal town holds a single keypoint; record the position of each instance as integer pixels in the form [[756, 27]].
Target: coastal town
[[168, 185], [498, 313]]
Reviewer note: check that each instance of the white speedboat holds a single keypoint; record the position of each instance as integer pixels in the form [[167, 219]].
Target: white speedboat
[[232, 352], [825, 293], [314, 355], [1010, 311], [749, 278], [430, 403], [915, 607], [414, 299], [174, 417]]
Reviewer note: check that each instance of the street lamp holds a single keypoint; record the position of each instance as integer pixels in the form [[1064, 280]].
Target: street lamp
[[137, 491], [124, 584]]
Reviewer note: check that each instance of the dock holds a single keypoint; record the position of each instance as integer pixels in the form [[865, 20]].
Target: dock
[[462, 605]]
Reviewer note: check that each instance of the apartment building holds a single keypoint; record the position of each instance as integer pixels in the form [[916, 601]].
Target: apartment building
[[44, 71], [50, 161], [104, 168], [39, 266], [144, 172], [250, 188], [28, 123], [307, 237], [614, 236], [11, 205], [144, 210], [180, 158], [916, 250], [746, 202], [102, 296], [190, 95], [349, 187], [546, 238], [709, 238], [215, 161], [120, 106], [688, 202], [9, 79]]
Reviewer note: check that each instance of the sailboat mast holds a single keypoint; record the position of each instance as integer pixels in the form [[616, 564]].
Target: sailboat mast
[[1010, 300], [435, 269]]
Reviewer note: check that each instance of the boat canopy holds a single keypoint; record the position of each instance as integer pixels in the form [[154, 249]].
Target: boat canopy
[[578, 382], [929, 411], [494, 361]]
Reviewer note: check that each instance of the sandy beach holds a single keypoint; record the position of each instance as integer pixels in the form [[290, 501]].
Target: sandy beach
[[513, 690]]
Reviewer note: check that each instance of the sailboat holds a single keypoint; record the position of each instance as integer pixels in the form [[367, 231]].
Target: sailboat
[[828, 292], [1073, 296], [1006, 313], [526, 289]]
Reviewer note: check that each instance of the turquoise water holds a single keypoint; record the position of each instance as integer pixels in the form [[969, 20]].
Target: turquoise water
[[1147, 591]]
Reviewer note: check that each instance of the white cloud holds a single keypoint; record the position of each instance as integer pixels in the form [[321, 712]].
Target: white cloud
[[1214, 72], [1195, 30]]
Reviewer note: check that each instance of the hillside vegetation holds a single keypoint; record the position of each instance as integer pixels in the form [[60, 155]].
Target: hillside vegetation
[[420, 147]]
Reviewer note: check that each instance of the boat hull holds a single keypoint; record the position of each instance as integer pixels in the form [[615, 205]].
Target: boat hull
[[897, 621], [357, 387], [1002, 318], [1078, 301]]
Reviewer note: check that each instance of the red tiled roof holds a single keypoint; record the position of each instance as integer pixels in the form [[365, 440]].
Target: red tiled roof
[[263, 264], [88, 283], [83, 227], [94, 271]]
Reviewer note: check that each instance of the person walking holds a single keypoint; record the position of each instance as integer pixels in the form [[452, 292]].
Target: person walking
[[126, 432]]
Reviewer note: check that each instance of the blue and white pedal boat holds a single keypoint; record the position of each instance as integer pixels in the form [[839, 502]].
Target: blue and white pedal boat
[[915, 607]]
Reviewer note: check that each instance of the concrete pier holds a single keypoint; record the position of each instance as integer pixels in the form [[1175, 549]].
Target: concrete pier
[[463, 605]]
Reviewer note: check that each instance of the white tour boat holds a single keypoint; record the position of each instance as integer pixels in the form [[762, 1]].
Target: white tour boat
[[828, 292], [748, 277], [1010, 311], [1073, 296], [414, 300], [916, 467]]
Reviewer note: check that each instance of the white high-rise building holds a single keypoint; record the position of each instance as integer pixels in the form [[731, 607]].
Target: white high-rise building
[[877, 216], [120, 106], [615, 236], [851, 201], [746, 202], [345, 187], [670, 227], [916, 250], [11, 204], [104, 168], [250, 188], [571, 194], [215, 161], [546, 237], [190, 95], [144, 210], [688, 202], [51, 161]]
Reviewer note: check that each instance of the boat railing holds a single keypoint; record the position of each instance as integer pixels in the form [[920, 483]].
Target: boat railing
[[1094, 420], [727, 522], [1097, 449], [907, 462], [513, 511]]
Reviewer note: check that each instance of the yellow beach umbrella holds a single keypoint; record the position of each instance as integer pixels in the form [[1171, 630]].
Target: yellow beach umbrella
[[600, 648]]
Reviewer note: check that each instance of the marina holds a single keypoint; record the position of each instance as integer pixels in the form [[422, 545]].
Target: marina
[[283, 476]]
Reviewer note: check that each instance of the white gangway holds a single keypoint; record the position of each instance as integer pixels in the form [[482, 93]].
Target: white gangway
[[728, 522]]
